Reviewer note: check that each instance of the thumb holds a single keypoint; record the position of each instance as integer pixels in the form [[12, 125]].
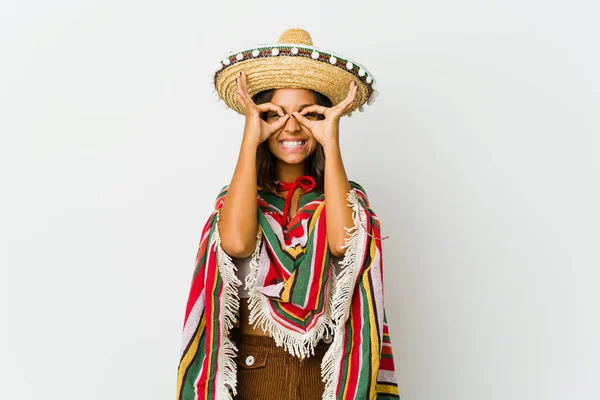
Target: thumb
[[280, 122], [302, 119]]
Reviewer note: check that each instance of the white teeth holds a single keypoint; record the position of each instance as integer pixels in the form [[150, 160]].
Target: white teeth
[[289, 143]]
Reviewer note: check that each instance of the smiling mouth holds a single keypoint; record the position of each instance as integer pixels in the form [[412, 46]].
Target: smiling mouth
[[292, 143]]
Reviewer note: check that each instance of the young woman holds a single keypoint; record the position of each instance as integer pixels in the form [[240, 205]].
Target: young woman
[[286, 301]]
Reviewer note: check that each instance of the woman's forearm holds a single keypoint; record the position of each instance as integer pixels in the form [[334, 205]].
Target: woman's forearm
[[338, 214], [238, 220]]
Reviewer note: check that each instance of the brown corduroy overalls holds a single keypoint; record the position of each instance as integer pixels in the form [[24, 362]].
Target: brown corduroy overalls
[[268, 372]]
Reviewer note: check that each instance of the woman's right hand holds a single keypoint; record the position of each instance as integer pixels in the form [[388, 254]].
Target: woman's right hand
[[256, 129]]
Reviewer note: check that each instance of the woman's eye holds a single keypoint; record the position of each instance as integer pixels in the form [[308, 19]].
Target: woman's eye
[[312, 115], [273, 116]]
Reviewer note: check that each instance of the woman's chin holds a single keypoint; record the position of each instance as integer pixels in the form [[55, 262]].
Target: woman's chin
[[292, 159]]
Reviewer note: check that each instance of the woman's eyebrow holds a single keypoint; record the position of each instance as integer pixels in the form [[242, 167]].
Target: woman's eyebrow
[[299, 108]]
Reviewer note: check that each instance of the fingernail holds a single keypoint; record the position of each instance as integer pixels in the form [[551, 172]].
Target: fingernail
[[240, 73]]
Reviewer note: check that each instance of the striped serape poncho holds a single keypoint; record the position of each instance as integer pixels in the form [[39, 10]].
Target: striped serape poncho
[[296, 294]]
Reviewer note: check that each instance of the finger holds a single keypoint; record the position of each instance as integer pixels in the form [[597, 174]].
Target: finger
[[246, 102], [271, 107], [239, 98], [348, 102], [242, 93], [351, 94], [243, 80], [354, 103], [303, 120], [314, 108], [280, 122]]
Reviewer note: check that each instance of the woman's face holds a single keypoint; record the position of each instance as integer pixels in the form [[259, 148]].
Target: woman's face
[[293, 143]]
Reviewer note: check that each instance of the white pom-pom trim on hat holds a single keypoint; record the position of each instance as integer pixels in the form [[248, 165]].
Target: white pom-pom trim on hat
[[274, 49]]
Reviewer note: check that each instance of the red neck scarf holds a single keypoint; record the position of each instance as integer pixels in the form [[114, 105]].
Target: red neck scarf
[[306, 182]]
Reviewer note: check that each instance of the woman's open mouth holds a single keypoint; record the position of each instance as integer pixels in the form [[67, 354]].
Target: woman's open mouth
[[292, 146]]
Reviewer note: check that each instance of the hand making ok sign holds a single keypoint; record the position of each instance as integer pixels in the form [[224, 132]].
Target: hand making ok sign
[[326, 131]]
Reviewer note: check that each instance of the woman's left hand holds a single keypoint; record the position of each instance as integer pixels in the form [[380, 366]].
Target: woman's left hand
[[326, 131]]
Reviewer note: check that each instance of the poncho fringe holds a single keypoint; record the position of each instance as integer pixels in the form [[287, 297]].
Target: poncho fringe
[[346, 372]]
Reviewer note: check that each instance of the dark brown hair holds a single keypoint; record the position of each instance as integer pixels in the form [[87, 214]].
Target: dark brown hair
[[265, 160]]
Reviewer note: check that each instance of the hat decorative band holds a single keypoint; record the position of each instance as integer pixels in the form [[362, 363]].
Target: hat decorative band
[[293, 65]]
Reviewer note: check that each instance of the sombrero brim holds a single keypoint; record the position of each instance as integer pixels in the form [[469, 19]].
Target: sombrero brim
[[293, 66]]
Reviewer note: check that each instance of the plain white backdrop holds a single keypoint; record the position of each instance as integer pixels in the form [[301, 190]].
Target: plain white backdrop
[[480, 156]]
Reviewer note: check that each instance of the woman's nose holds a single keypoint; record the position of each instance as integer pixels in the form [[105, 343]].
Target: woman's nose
[[292, 124]]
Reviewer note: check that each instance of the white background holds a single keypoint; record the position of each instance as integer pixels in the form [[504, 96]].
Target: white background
[[480, 156]]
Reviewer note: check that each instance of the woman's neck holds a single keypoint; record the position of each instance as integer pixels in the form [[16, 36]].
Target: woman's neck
[[289, 172]]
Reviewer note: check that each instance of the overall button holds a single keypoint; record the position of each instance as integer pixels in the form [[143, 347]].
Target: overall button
[[251, 359]]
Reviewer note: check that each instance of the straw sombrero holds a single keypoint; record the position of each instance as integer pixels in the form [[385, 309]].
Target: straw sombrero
[[293, 62]]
